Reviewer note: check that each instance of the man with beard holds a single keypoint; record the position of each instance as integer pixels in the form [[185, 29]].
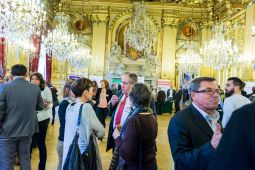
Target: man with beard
[[234, 98]]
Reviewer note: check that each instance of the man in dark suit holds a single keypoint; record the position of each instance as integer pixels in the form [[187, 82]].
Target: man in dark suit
[[19, 100], [120, 106], [194, 133], [177, 98], [237, 150], [170, 93]]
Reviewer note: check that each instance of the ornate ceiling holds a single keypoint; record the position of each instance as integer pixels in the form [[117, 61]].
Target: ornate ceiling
[[201, 9]]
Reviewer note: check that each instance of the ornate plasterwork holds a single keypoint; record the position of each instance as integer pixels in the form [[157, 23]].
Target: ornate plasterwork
[[100, 18], [129, 11], [170, 21]]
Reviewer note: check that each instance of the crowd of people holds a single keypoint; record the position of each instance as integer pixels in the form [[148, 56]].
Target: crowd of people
[[200, 137]]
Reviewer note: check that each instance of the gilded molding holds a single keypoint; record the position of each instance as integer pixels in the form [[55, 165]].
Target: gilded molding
[[170, 21], [127, 11], [100, 18], [118, 10], [206, 25]]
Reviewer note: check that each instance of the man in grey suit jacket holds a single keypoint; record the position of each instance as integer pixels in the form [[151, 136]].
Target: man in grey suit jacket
[[19, 100]]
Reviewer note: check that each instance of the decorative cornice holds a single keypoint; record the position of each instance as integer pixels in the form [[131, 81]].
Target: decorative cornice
[[118, 10], [206, 25], [100, 18], [170, 21], [170, 18]]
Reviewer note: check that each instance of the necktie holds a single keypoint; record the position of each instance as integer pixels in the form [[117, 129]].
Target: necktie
[[120, 111], [209, 119]]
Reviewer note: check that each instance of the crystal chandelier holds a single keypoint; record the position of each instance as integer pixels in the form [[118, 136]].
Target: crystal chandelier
[[218, 52], [80, 58], [140, 33], [60, 42], [190, 60], [20, 19], [66, 46]]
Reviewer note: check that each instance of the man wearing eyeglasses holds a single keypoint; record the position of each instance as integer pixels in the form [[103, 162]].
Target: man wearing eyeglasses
[[120, 106], [234, 100], [194, 133]]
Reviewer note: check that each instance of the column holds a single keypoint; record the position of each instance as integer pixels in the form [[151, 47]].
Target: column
[[169, 48], [206, 36], [249, 43], [98, 44]]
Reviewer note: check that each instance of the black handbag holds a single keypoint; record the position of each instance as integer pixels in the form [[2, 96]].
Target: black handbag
[[74, 160], [89, 155]]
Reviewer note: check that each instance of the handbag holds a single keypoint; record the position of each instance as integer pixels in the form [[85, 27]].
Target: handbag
[[89, 156], [74, 160]]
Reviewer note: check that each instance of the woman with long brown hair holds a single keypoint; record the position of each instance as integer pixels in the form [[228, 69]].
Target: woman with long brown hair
[[43, 117]]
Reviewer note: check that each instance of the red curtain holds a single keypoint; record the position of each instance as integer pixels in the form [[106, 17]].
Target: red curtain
[[34, 60], [2, 57], [48, 68]]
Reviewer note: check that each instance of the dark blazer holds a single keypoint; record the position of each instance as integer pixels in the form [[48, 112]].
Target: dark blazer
[[19, 100], [110, 140], [108, 95], [189, 136], [237, 147], [168, 93], [177, 96]]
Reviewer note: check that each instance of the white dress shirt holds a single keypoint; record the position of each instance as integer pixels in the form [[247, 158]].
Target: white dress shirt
[[214, 117], [125, 113]]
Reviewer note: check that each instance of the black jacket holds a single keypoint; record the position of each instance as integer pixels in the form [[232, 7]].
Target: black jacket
[[237, 147], [108, 95], [189, 136]]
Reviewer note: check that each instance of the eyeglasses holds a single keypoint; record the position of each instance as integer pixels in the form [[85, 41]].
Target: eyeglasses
[[208, 91], [125, 83]]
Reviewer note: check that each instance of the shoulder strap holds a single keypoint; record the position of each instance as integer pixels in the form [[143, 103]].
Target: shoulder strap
[[79, 118], [140, 141]]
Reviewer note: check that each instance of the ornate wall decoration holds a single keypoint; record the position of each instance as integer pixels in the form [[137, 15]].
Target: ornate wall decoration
[[132, 53], [188, 30], [81, 25]]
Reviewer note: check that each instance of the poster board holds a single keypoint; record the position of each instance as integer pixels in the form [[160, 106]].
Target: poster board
[[248, 87], [97, 79], [164, 84]]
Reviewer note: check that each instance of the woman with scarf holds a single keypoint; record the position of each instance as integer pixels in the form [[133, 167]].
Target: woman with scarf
[[136, 141]]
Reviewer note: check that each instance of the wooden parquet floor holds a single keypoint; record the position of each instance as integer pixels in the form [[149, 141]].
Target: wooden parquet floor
[[164, 158]]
